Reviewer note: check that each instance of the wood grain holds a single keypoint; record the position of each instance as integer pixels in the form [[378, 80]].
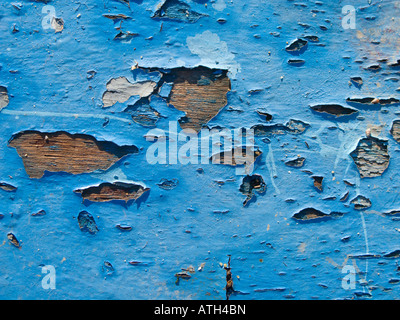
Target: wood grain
[[65, 152], [113, 191], [200, 92]]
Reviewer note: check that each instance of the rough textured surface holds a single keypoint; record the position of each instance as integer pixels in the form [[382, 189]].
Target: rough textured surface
[[395, 130], [291, 127], [198, 229], [176, 10], [7, 187], [314, 215], [250, 185], [64, 152], [112, 191], [309, 214], [87, 223], [371, 157], [13, 240], [297, 46], [296, 163], [143, 114], [201, 93], [237, 156], [318, 182], [361, 203], [334, 109]]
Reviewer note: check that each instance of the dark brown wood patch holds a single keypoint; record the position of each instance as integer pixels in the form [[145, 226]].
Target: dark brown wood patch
[[113, 191]]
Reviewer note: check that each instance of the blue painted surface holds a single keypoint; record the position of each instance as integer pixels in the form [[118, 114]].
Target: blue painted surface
[[274, 256]]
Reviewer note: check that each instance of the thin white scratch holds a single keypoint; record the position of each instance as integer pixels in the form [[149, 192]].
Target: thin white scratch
[[349, 139], [62, 115], [347, 168], [272, 168], [365, 233]]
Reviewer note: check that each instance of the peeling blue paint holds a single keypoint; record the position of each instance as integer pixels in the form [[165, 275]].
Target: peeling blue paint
[[202, 219]]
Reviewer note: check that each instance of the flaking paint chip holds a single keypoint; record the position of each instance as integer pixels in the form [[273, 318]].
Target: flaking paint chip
[[57, 24]]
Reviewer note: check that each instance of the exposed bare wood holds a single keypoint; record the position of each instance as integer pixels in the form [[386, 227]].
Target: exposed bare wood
[[113, 191], [236, 156], [371, 157], [199, 92], [7, 187], [65, 152]]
